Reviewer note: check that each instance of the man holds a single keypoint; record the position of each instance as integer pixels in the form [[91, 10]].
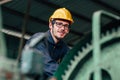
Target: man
[[52, 46]]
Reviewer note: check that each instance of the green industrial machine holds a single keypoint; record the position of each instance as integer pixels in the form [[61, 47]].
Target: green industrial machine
[[97, 55]]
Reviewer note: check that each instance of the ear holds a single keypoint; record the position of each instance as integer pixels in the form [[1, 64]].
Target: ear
[[50, 25], [68, 31]]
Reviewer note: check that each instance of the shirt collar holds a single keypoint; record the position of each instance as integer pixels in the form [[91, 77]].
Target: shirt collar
[[50, 39]]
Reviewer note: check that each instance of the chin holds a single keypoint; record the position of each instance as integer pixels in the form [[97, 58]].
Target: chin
[[60, 37]]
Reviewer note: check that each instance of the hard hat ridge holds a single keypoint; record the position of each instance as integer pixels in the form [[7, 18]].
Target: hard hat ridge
[[62, 13]]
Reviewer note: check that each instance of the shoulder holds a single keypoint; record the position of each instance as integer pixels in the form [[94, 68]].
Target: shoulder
[[36, 36], [39, 34]]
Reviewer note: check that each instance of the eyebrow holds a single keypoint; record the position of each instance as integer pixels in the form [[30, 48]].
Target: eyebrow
[[62, 22]]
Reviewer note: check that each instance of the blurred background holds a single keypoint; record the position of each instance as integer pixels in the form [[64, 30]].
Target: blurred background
[[22, 18], [38, 12]]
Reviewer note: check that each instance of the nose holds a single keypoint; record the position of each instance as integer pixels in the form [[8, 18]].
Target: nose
[[63, 27]]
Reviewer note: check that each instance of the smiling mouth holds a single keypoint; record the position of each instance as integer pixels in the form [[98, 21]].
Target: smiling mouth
[[61, 33]]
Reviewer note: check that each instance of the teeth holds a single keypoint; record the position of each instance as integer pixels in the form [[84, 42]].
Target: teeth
[[69, 66], [85, 51], [71, 61], [79, 53], [88, 45], [119, 30], [113, 30], [65, 71], [107, 33], [103, 35], [64, 76], [76, 58]]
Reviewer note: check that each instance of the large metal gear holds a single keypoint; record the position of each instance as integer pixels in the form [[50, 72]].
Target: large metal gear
[[78, 64]]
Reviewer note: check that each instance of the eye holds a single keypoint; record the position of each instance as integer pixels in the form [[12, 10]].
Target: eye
[[66, 25]]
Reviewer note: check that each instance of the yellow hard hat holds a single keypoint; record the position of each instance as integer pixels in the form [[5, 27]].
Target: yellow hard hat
[[62, 13]]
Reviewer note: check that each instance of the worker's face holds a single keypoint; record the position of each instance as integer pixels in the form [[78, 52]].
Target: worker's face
[[52, 78], [59, 29]]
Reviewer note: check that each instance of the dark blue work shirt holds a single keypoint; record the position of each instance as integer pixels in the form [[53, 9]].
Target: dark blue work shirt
[[52, 53]]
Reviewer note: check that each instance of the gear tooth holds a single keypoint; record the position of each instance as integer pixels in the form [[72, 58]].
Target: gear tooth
[[76, 58], [68, 66], [63, 77], [119, 30], [103, 35], [65, 71], [90, 42], [88, 45], [79, 53], [71, 61], [108, 33], [83, 49], [113, 30]]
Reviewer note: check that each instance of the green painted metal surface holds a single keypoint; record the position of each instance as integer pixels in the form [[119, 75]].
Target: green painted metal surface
[[96, 29], [2, 40], [8, 68], [93, 61]]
